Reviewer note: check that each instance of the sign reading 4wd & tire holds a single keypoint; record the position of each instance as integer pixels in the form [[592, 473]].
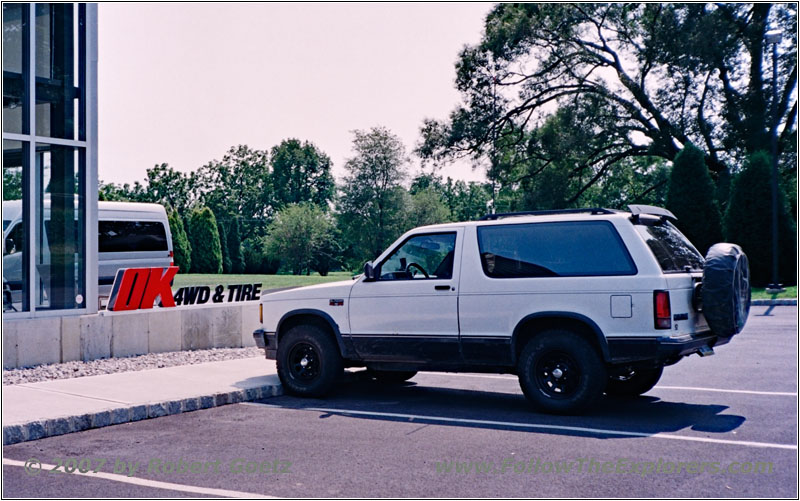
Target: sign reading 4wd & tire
[[138, 289]]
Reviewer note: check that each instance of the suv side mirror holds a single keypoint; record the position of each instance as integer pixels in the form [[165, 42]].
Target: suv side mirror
[[10, 246], [369, 272]]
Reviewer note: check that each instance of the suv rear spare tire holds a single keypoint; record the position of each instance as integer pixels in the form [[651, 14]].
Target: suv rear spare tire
[[560, 372], [308, 361], [726, 289]]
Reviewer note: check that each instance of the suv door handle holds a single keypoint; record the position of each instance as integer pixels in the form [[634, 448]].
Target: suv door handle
[[442, 287]]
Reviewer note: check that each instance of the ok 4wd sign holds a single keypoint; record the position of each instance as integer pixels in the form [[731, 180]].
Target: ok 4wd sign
[[139, 288]]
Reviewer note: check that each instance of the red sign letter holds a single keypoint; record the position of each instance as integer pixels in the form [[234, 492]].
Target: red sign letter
[[129, 294], [159, 285]]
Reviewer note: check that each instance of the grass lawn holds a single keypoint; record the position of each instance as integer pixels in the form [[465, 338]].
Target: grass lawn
[[266, 281], [761, 293]]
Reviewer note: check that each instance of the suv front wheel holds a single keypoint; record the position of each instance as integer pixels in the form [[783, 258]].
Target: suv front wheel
[[308, 361], [561, 373]]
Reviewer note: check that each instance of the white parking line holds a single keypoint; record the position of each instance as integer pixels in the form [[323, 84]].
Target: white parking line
[[720, 390], [546, 427], [658, 387], [192, 489]]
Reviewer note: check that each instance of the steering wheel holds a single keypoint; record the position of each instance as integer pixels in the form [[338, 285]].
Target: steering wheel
[[415, 265]]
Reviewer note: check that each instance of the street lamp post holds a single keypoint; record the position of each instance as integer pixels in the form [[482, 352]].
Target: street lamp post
[[774, 37]]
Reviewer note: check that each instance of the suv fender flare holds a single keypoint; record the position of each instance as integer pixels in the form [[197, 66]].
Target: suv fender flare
[[602, 343], [343, 347]]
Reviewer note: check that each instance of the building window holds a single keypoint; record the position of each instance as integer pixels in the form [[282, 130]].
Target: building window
[[60, 243], [15, 228], [15, 67], [49, 159]]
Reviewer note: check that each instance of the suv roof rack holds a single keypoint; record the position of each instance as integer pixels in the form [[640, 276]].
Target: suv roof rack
[[591, 210], [651, 210]]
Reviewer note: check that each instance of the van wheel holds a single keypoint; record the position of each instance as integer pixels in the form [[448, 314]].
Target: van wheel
[[308, 361], [561, 373], [391, 377], [633, 384]]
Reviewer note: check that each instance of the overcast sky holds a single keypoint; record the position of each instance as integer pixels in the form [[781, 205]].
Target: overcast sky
[[181, 83]]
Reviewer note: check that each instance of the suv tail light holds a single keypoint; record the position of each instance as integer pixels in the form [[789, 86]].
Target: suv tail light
[[171, 258], [662, 313]]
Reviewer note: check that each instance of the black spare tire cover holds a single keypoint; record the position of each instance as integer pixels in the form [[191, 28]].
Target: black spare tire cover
[[726, 289]]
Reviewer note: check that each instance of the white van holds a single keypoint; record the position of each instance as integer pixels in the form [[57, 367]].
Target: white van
[[130, 235]]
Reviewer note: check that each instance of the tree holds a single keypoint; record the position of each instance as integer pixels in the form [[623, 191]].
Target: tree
[[637, 180], [748, 223], [204, 238], [301, 173], [427, 207], [122, 192], [464, 201], [180, 242], [691, 197], [258, 258], [298, 234], [372, 201], [658, 75], [169, 187], [238, 185], [12, 183]]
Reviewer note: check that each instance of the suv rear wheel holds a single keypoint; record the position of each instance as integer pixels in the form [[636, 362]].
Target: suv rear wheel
[[561, 373], [634, 383], [308, 361]]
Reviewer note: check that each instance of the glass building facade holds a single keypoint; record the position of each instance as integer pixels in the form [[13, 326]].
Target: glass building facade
[[49, 159]]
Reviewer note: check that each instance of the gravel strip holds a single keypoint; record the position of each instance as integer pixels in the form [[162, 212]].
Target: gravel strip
[[69, 370]]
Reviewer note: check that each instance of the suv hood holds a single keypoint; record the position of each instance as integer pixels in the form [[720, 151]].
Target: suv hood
[[319, 291]]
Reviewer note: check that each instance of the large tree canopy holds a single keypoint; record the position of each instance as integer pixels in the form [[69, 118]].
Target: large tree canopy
[[301, 173], [654, 77]]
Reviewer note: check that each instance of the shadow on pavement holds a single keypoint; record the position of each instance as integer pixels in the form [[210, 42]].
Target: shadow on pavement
[[642, 415]]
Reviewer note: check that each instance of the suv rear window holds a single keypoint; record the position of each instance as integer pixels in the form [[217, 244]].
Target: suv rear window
[[131, 236], [568, 249], [673, 251]]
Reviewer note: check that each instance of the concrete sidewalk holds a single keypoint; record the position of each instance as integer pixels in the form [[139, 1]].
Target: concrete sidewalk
[[37, 410]]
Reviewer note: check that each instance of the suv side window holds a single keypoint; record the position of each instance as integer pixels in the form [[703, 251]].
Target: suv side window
[[563, 249], [421, 255]]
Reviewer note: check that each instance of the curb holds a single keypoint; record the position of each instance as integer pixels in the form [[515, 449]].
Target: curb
[[35, 430], [774, 302]]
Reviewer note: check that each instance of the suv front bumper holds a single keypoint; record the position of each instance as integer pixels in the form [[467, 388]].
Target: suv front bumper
[[661, 350], [268, 341]]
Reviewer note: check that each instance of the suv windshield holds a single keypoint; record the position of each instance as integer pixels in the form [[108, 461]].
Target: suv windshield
[[673, 251]]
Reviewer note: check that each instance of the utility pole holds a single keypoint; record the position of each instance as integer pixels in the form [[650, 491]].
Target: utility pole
[[493, 154], [774, 37]]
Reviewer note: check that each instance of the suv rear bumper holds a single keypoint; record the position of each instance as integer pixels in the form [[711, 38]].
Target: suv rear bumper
[[266, 341], [662, 350]]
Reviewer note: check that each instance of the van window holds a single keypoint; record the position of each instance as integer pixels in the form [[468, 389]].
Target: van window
[[568, 249], [131, 236]]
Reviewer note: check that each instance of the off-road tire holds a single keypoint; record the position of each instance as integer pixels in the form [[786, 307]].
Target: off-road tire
[[726, 289], [581, 376], [308, 361]]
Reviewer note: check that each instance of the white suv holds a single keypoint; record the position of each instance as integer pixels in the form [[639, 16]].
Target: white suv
[[575, 302]]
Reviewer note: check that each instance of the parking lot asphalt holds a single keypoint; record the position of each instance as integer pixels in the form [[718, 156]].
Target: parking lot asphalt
[[721, 426]]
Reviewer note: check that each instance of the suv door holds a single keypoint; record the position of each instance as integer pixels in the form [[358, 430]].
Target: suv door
[[410, 313]]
